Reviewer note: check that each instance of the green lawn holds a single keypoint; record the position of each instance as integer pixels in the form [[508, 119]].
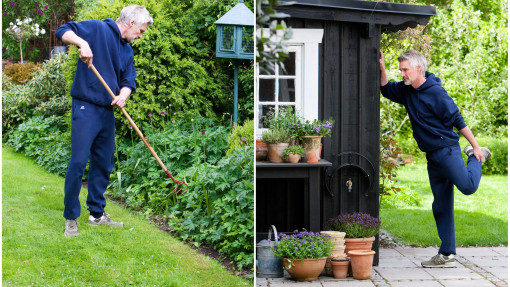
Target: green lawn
[[35, 251], [480, 219]]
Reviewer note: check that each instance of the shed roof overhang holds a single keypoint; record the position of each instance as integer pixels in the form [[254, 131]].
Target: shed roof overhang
[[391, 16]]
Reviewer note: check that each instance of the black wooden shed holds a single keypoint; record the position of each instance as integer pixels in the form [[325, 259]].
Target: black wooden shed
[[348, 91]]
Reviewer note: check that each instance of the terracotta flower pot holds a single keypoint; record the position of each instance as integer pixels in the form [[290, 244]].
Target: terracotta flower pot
[[361, 263], [308, 270], [261, 150], [340, 268], [358, 244], [275, 152], [311, 144], [294, 157]]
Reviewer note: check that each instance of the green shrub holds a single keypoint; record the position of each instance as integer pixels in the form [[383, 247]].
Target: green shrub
[[21, 73], [44, 140], [43, 95], [218, 208], [498, 163], [241, 136], [398, 195]]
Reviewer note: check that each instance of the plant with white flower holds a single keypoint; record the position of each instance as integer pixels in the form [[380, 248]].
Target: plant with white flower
[[24, 30]]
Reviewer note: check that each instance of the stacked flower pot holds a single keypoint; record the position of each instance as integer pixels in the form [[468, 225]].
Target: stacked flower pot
[[337, 252]]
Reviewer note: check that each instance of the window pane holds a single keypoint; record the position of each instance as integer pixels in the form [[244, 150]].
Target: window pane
[[287, 92], [290, 65], [227, 41], [265, 110], [247, 44], [267, 71], [266, 90]]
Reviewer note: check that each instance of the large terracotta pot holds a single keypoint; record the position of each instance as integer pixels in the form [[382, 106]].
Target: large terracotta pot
[[275, 152], [311, 144], [340, 268], [308, 270], [361, 263], [358, 244], [261, 150]]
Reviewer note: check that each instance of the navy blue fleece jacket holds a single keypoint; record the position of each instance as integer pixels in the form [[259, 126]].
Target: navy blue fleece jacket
[[113, 59], [432, 112]]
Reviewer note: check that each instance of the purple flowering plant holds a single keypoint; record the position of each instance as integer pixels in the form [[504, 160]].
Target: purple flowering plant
[[312, 128], [355, 225], [302, 245]]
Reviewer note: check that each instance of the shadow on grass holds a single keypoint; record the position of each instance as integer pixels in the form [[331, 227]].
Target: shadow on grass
[[417, 227]]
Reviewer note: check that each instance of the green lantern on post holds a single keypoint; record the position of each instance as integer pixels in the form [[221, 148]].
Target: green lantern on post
[[234, 40]]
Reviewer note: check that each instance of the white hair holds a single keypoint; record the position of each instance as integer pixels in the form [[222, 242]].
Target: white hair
[[415, 59], [136, 13]]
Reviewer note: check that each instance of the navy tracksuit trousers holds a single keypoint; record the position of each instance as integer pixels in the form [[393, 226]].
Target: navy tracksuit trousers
[[446, 168], [92, 133]]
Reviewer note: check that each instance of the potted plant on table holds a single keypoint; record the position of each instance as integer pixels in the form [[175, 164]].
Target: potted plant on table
[[360, 230], [293, 153], [310, 133], [277, 140], [304, 254]]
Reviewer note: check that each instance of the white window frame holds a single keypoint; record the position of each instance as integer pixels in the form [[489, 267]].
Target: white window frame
[[307, 100]]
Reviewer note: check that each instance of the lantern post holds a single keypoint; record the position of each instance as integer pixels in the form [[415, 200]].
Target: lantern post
[[234, 40]]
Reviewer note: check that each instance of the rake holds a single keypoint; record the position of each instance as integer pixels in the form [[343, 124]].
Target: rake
[[179, 183]]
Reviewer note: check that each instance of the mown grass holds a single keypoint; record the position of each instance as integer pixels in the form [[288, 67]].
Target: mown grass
[[36, 252], [481, 219]]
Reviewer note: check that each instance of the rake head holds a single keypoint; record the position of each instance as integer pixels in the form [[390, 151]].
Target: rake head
[[178, 186]]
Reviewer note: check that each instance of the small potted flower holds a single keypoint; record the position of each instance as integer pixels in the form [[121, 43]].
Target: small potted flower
[[304, 254], [277, 140], [293, 153], [311, 133], [360, 230]]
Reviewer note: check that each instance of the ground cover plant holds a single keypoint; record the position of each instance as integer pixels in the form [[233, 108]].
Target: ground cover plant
[[481, 219], [36, 253]]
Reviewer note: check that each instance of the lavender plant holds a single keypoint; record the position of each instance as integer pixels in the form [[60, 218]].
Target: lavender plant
[[355, 225], [312, 128], [302, 245]]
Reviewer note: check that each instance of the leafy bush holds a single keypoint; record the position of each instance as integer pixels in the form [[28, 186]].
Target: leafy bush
[[42, 139], [402, 196], [43, 95], [21, 73], [218, 208], [498, 163], [273, 136], [241, 136]]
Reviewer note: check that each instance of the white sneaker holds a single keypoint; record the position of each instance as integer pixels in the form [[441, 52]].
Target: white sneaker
[[104, 220], [440, 261], [71, 228]]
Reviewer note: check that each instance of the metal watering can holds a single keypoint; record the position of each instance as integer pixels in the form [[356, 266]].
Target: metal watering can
[[268, 265]]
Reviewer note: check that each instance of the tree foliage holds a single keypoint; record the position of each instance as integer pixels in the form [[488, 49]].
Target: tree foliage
[[466, 45]]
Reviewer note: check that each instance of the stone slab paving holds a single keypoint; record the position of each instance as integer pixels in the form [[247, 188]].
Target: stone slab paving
[[400, 267]]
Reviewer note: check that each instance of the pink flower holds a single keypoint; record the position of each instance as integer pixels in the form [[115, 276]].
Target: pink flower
[[203, 133], [162, 113], [45, 7], [5, 13], [150, 114], [39, 11], [12, 3]]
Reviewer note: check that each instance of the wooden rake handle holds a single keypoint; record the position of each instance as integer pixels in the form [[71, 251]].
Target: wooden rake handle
[[154, 154]]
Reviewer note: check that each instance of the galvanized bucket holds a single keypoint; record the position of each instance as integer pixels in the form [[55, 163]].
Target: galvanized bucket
[[268, 265]]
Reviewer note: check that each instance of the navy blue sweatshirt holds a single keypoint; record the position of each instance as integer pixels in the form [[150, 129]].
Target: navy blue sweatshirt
[[432, 112], [113, 59]]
